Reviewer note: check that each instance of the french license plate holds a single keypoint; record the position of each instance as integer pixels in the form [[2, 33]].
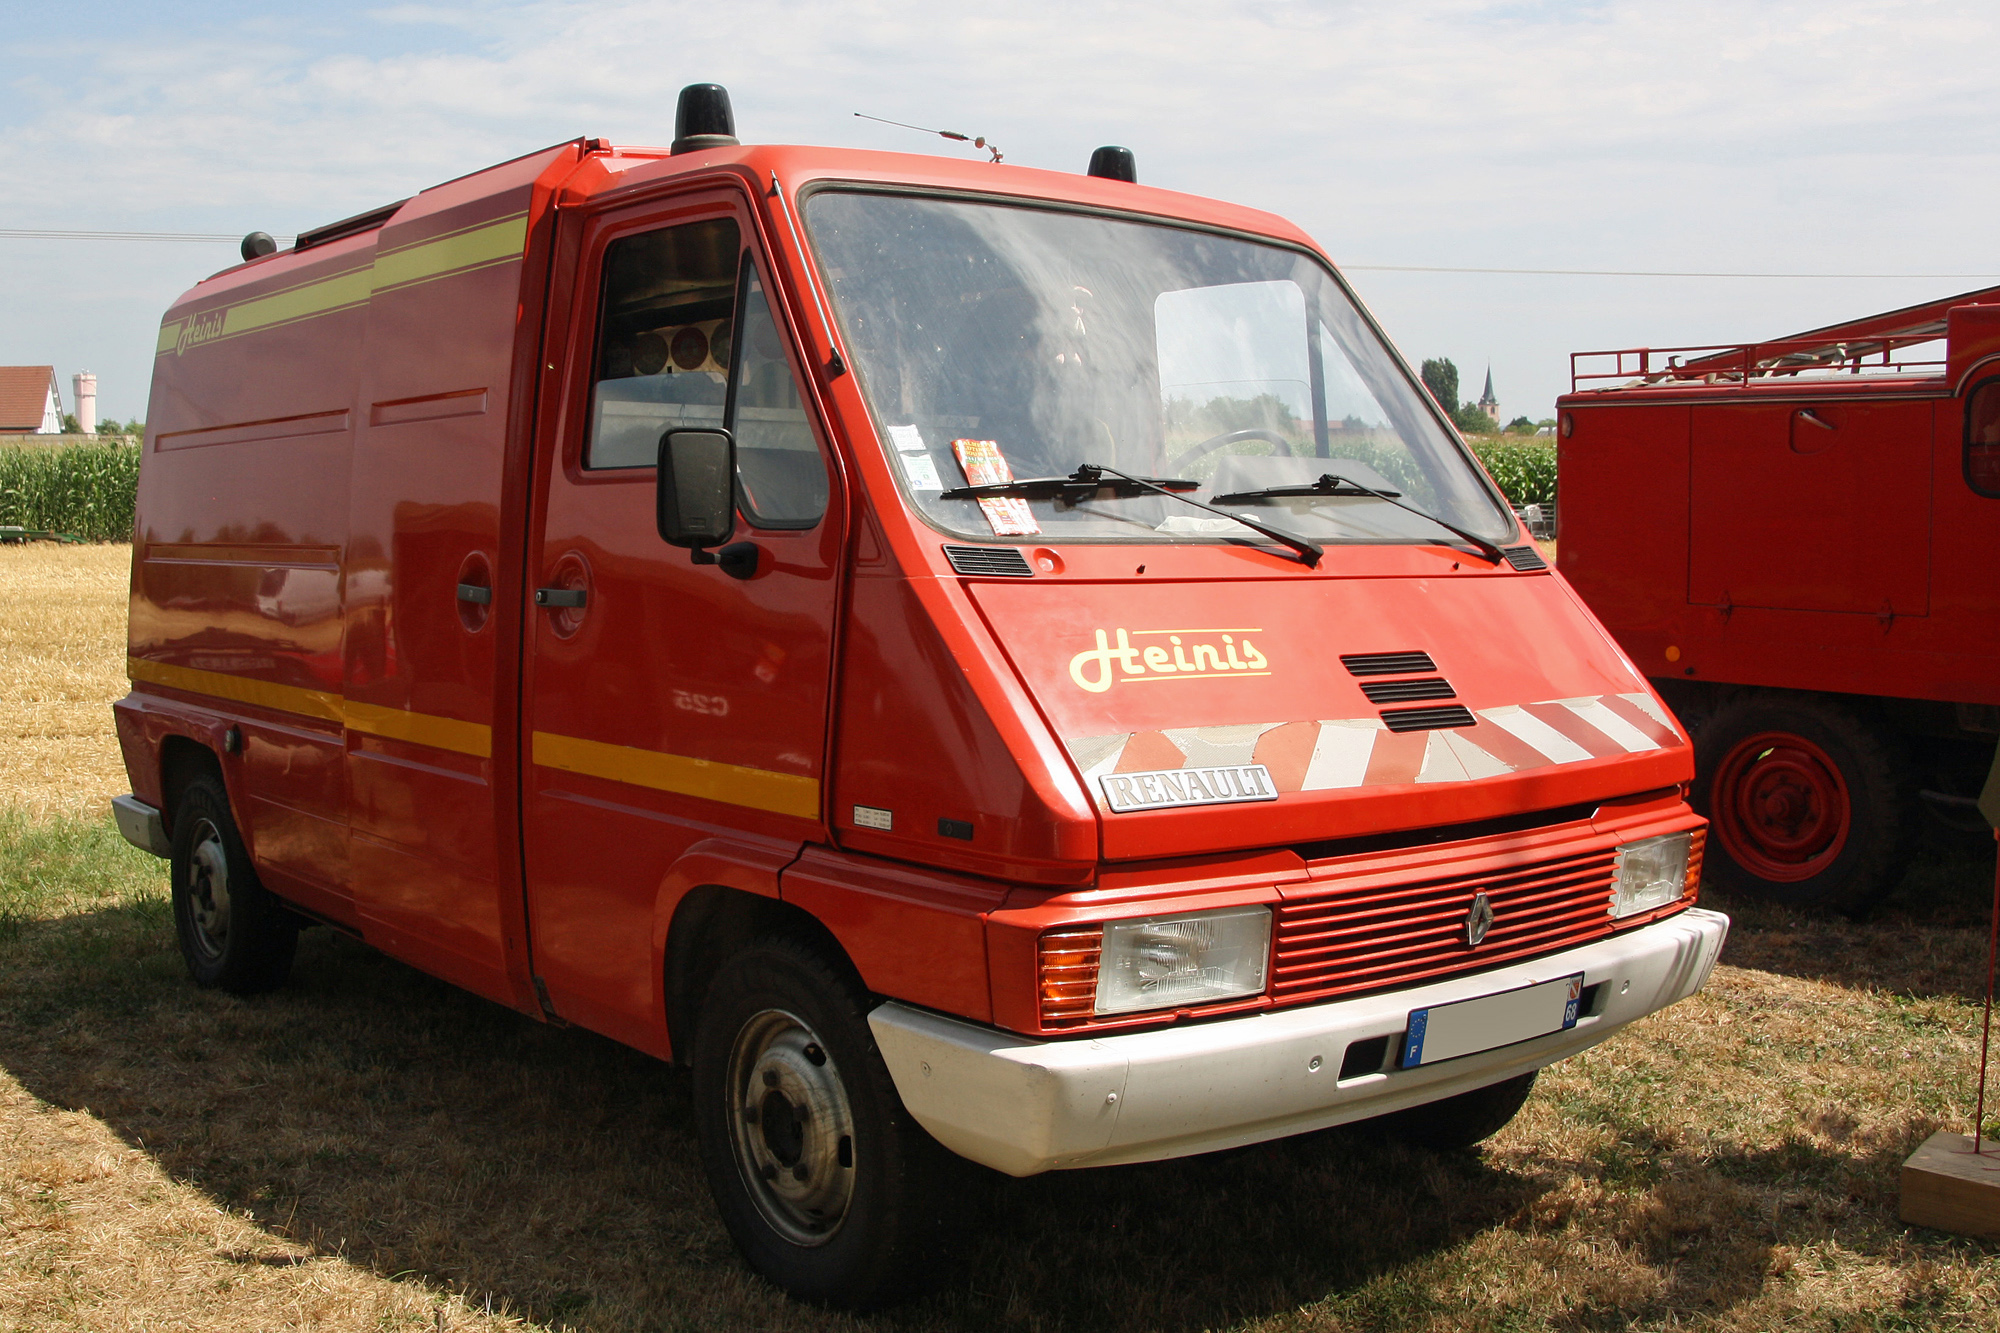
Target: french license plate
[[1446, 1031]]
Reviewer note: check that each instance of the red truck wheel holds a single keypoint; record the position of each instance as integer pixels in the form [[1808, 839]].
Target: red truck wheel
[[828, 1186], [1808, 806], [233, 933]]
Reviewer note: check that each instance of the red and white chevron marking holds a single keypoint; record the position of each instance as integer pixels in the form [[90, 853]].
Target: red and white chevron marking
[[1362, 752]]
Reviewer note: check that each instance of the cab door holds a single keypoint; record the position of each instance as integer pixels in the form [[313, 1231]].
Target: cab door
[[667, 703]]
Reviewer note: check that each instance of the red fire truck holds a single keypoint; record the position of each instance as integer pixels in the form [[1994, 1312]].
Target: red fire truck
[[960, 655], [1791, 538]]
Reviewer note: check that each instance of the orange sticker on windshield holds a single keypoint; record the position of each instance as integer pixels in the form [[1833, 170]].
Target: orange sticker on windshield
[[984, 466]]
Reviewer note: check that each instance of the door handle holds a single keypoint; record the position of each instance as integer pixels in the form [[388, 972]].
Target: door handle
[[554, 597], [476, 593]]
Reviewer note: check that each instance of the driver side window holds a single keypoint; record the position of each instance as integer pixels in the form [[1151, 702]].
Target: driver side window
[[665, 330], [687, 339]]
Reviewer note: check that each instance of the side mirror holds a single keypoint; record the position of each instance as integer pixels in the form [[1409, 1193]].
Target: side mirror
[[695, 500]]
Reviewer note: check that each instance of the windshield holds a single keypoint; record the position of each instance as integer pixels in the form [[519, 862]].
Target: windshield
[[995, 342]]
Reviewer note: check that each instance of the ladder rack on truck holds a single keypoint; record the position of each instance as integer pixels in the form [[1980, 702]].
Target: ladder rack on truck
[[1790, 538], [1876, 346]]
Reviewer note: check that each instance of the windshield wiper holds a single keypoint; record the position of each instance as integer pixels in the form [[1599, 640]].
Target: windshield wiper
[[1091, 478], [1329, 484], [1080, 485], [1309, 552]]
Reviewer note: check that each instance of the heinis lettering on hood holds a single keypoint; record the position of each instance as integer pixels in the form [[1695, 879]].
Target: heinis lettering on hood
[[1167, 654]]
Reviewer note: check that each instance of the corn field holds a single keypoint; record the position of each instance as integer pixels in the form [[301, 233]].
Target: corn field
[[80, 490], [1525, 472]]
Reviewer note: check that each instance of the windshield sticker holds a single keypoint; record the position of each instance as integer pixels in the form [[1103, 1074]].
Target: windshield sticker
[[1362, 752], [984, 466], [915, 456], [1157, 790], [1167, 654], [920, 472]]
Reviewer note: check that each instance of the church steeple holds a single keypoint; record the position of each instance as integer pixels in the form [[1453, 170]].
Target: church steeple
[[1487, 402]]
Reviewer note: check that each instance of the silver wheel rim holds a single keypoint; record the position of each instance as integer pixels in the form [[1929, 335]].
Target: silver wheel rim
[[208, 891], [791, 1127]]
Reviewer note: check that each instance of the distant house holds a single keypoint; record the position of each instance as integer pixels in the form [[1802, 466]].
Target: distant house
[[30, 402]]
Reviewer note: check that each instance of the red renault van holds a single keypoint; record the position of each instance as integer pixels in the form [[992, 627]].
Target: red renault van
[[962, 655]]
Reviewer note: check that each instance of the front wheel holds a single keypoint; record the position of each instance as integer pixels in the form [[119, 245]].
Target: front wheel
[[826, 1184], [1808, 805]]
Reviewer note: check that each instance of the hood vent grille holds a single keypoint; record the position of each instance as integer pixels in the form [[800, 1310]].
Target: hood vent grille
[[1408, 691], [1387, 664], [1428, 719], [1524, 558], [989, 561]]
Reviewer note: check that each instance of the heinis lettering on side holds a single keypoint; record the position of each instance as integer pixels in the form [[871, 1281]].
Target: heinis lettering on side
[[1167, 654], [205, 327]]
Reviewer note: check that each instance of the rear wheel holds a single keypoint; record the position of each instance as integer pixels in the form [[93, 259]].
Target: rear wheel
[[826, 1184], [1461, 1121], [1808, 805], [233, 933]]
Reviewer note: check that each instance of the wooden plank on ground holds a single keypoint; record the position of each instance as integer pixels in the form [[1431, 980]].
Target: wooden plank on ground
[[1948, 1186]]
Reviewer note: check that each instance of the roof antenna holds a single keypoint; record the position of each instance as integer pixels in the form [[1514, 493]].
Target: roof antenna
[[977, 141]]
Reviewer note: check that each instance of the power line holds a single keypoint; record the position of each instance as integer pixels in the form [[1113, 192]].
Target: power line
[[54, 234]]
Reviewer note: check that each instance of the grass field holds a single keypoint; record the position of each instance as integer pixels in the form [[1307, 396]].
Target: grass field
[[370, 1149]]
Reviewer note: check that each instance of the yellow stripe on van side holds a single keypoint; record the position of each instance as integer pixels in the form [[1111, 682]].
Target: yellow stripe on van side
[[237, 689], [463, 251], [400, 724], [757, 788], [442, 733], [313, 298], [475, 247]]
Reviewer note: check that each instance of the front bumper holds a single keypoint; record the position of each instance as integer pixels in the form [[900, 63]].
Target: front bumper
[[1024, 1106]]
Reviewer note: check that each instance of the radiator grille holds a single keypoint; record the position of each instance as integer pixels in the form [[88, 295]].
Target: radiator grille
[[1374, 936], [1387, 664], [1428, 719], [1002, 561], [1408, 691]]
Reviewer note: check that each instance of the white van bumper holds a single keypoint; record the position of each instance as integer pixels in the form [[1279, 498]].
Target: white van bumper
[[1024, 1106]]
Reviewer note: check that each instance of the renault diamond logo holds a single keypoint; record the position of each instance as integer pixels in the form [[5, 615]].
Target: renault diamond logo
[[1479, 920]]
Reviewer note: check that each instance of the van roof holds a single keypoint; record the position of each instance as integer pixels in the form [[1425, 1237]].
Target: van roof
[[607, 170]]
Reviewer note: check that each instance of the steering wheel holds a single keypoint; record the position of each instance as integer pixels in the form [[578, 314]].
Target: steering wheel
[[1214, 442]]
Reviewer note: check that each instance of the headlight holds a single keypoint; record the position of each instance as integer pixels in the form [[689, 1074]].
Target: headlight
[[1172, 962], [1650, 874]]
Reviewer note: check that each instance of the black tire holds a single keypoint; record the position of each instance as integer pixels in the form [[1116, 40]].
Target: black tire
[[233, 933], [1809, 805], [828, 1186], [1461, 1121]]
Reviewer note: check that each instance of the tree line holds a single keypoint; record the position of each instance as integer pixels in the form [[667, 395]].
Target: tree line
[[1440, 376]]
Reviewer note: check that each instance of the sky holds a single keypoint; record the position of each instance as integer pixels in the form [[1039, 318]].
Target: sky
[[1852, 138]]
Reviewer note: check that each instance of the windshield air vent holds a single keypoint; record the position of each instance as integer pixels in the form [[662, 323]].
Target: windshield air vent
[[1387, 664], [990, 561], [1428, 719], [1524, 558], [1408, 691]]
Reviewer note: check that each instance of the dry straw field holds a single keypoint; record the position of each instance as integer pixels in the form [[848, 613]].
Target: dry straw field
[[369, 1149]]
